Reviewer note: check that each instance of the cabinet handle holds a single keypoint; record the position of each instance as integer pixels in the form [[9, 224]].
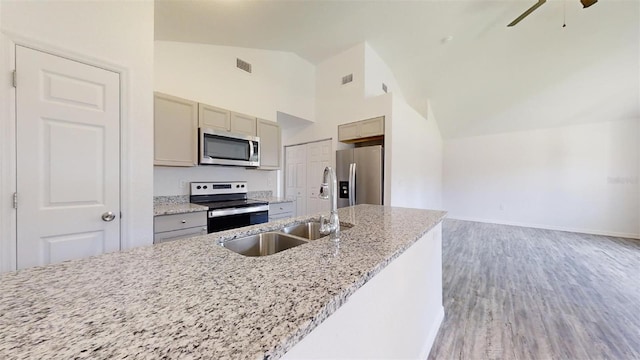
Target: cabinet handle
[[184, 221]]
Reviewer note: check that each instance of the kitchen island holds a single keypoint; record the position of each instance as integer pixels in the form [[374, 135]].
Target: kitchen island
[[192, 298]]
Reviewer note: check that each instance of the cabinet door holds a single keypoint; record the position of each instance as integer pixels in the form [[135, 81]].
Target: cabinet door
[[296, 177], [371, 127], [211, 117], [243, 124], [270, 142], [173, 222], [286, 208], [348, 131], [319, 156], [175, 131], [178, 234]]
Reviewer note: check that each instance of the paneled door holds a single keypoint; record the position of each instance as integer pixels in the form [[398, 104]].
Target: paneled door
[[68, 159], [318, 158], [296, 176], [304, 166]]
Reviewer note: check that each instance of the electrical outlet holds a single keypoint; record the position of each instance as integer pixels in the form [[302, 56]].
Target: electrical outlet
[[501, 207], [183, 184]]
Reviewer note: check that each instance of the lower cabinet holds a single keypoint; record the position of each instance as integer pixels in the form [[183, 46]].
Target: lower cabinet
[[178, 226], [282, 210]]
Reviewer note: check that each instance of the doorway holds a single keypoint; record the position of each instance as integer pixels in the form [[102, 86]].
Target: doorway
[[68, 159]]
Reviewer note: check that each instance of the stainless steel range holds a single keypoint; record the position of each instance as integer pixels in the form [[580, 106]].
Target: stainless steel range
[[228, 205]]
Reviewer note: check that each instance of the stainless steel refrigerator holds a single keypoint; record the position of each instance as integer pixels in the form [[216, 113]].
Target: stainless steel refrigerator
[[360, 175]]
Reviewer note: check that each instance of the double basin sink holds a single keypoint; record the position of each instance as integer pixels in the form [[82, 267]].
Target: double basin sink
[[272, 242]]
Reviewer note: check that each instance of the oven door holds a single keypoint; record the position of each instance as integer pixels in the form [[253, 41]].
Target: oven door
[[223, 148], [225, 219]]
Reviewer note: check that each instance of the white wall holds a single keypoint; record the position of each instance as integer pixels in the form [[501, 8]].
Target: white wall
[[416, 162], [580, 178], [378, 72], [406, 184], [117, 36], [279, 81], [339, 104], [336, 103]]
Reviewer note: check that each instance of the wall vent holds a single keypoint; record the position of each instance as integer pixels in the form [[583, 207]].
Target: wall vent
[[384, 87], [243, 65], [347, 79]]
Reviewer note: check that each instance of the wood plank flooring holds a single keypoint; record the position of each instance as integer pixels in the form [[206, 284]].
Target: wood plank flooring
[[522, 293]]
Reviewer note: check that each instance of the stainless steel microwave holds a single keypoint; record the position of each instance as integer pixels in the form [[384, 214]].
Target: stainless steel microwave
[[223, 148]]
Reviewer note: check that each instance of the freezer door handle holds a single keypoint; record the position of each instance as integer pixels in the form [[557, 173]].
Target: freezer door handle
[[352, 184]]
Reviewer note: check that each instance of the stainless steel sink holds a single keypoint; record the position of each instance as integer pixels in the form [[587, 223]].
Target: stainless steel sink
[[263, 244], [309, 230]]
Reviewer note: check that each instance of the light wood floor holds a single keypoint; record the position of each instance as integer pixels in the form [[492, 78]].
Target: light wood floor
[[521, 293]]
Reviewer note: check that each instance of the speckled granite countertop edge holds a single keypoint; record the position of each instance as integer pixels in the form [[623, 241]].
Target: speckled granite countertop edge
[[176, 208], [274, 199]]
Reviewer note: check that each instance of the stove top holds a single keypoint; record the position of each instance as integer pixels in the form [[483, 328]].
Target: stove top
[[214, 205], [222, 195]]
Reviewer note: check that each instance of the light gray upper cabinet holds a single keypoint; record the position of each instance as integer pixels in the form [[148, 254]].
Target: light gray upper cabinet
[[270, 144], [212, 117], [216, 118], [371, 127], [243, 124], [361, 130], [175, 131]]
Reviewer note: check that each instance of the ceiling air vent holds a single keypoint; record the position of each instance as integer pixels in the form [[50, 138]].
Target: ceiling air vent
[[347, 79], [384, 87], [243, 65]]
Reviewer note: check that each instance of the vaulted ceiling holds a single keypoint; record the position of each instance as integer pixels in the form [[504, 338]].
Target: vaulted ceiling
[[479, 76]]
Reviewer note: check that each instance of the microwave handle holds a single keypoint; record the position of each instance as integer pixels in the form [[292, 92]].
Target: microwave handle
[[250, 149]]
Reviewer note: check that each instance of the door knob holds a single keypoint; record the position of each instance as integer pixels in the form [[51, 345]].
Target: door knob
[[108, 216]]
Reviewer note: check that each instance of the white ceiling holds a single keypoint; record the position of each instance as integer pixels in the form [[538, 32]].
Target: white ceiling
[[487, 79]]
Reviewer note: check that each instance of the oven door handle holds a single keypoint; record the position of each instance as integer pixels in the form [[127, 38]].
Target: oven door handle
[[237, 211]]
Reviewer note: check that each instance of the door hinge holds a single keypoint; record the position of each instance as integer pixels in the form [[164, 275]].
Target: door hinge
[[15, 200], [15, 79]]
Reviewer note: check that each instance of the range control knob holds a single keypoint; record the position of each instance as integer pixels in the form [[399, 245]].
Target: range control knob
[[204, 187], [198, 187]]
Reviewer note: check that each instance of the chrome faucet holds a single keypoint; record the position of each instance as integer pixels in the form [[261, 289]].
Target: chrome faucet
[[329, 189]]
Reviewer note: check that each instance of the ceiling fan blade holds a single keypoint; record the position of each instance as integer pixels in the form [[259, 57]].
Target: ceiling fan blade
[[526, 13]]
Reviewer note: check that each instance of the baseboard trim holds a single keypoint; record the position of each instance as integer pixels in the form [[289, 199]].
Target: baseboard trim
[[549, 227], [433, 332]]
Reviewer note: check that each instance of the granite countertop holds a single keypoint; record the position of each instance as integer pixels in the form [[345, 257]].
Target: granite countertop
[[192, 298], [273, 199], [179, 204], [176, 208]]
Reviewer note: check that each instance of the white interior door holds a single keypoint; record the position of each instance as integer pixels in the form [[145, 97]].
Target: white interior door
[[68, 159], [318, 158], [296, 177]]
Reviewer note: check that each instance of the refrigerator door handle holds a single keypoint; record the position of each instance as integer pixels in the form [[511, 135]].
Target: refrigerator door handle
[[352, 184]]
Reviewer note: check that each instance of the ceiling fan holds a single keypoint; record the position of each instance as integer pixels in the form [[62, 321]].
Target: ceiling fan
[[585, 4]]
